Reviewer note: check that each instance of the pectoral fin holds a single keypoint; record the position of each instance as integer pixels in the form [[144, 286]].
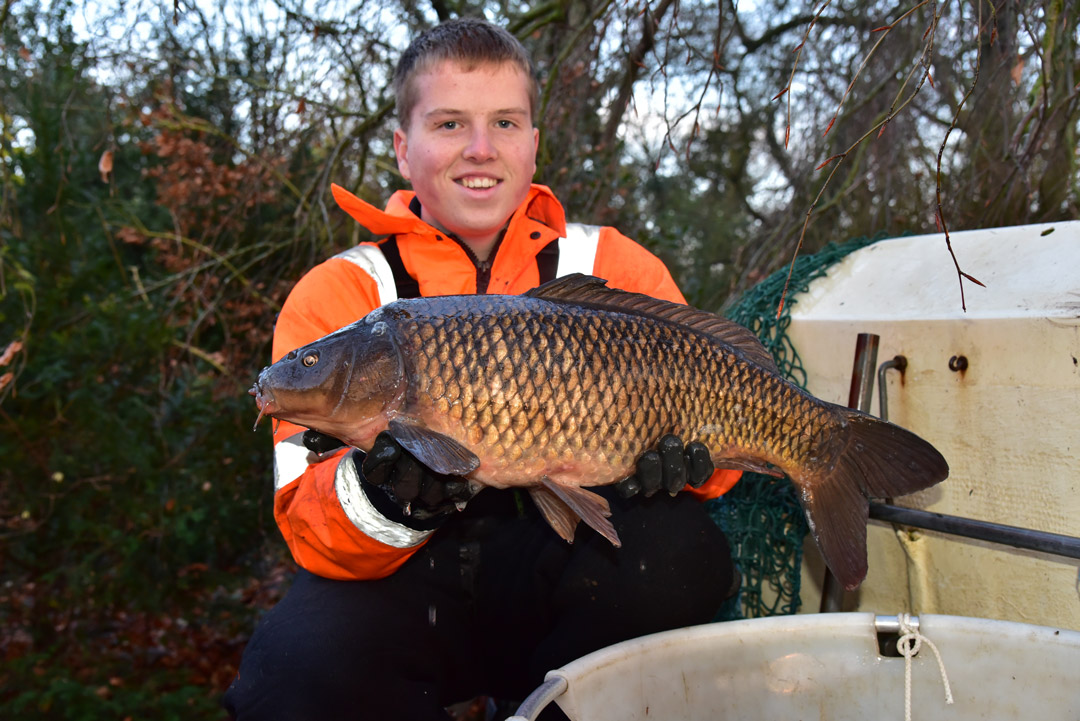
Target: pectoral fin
[[439, 452], [563, 506]]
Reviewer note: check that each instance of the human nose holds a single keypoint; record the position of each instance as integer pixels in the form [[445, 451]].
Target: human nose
[[480, 147]]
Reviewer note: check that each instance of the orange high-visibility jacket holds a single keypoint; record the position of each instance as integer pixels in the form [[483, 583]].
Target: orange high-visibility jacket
[[324, 514]]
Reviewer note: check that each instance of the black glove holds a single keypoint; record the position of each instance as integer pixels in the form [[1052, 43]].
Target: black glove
[[420, 494], [669, 467], [320, 443]]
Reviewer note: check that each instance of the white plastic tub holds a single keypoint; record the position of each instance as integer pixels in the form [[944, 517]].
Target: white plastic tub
[[827, 666]]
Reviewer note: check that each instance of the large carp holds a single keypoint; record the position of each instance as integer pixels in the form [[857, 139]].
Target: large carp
[[566, 386]]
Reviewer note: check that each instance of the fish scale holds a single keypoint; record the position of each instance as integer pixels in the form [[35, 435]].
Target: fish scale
[[566, 387], [616, 384]]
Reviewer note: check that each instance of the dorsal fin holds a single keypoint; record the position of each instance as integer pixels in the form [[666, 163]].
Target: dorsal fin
[[593, 292]]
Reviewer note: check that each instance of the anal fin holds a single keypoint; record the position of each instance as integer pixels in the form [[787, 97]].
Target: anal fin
[[563, 506]]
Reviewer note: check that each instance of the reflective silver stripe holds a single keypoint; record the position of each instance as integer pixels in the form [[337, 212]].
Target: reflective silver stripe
[[358, 508], [578, 253], [372, 261], [290, 461]]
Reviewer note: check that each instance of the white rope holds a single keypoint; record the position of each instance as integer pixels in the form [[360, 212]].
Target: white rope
[[909, 633]]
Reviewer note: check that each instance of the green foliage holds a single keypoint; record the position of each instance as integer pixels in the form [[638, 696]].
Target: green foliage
[[166, 695], [131, 479], [123, 460]]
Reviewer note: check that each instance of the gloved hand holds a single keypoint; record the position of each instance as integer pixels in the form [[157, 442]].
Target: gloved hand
[[320, 443], [420, 493], [670, 467]]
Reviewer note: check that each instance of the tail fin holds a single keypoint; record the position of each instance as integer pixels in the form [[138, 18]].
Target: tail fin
[[880, 460]]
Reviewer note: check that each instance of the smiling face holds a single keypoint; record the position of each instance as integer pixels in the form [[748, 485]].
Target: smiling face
[[470, 148]]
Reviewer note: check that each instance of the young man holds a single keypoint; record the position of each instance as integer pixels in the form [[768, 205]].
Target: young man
[[404, 603]]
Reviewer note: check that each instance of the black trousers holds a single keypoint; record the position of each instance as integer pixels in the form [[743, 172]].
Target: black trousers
[[491, 603]]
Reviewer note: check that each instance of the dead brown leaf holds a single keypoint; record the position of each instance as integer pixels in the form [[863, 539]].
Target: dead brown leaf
[[1017, 71], [105, 165], [13, 347]]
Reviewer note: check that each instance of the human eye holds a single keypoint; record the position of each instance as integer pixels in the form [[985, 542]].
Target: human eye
[[449, 125]]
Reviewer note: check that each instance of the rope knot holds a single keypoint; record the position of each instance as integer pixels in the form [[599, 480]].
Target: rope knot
[[909, 643]]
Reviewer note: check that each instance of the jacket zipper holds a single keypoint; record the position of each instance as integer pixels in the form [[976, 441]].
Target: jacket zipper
[[483, 267]]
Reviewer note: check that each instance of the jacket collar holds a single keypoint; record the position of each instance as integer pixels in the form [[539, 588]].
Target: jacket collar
[[540, 206]]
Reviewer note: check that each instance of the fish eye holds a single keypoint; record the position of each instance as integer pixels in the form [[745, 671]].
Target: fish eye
[[379, 328], [310, 359]]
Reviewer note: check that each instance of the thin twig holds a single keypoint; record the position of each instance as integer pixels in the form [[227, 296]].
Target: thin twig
[[885, 30], [794, 67], [961, 275]]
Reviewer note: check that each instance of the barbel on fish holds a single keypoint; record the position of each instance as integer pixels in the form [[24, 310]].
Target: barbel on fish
[[566, 386]]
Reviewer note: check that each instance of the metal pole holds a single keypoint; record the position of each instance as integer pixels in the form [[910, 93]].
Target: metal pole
[[1025, 538], [862, 372], [899, 363]]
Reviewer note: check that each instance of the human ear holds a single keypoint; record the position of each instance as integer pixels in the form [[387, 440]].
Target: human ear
[[536, 147], [401, 150]]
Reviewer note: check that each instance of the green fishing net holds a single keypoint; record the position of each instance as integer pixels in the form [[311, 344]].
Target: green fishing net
[[761, 515]]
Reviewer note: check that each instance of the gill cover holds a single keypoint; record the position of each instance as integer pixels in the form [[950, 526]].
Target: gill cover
[[348, 376]]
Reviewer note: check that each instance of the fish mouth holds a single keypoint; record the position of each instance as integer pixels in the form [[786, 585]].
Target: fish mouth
[[264, 401]]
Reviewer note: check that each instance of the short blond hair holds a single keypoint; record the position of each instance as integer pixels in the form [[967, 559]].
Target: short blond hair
[[469, 41]]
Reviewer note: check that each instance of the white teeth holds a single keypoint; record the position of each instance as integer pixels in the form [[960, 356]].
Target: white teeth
[[479, 182]]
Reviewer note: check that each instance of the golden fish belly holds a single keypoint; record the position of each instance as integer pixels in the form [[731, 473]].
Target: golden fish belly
[[577, 395]]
